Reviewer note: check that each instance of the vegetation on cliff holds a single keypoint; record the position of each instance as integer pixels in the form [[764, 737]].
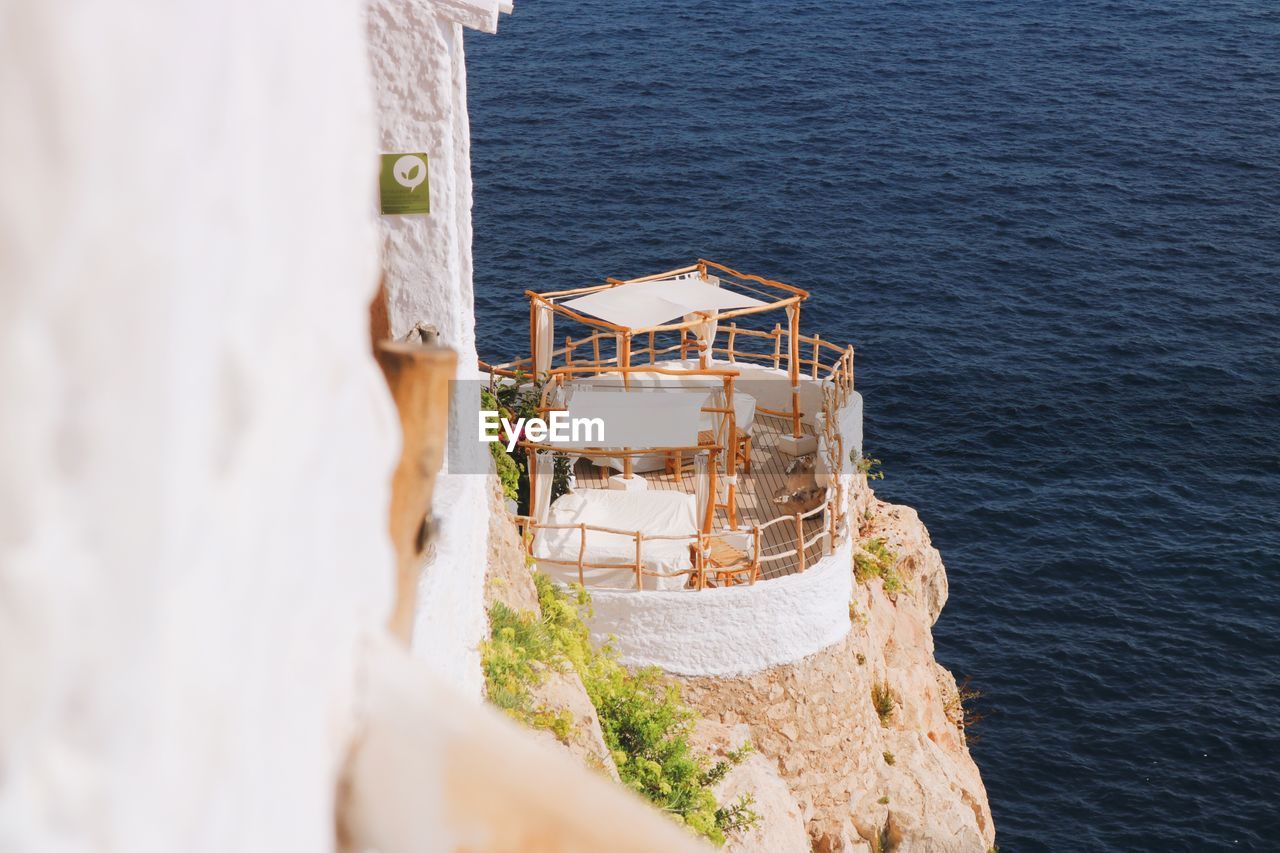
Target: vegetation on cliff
[[644, 722], [873, 559], [513, 402]]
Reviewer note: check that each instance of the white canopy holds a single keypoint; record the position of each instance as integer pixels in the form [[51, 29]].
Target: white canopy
[[654, 303]]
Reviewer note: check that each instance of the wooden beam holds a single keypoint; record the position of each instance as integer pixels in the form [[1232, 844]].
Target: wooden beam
[[418, 377]]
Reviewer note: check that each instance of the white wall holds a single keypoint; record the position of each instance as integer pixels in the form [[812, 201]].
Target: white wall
[[195, 447], [416, 51], [732, 630]]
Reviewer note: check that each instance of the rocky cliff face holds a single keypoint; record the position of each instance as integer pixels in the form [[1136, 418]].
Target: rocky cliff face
[[831, 771], [895, 778]]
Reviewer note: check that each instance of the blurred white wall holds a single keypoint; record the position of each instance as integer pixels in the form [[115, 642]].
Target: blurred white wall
[[195, 447]]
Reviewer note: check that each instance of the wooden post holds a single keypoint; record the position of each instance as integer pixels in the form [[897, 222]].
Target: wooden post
[[704, 347], [568, 351], [777, 345], [595, 347], [418, 377], [704, 548], [652, 353], [624, 364], [800, 539], [639, 583], [533, 337], [831, 526], [793, 356], [733, 333], [731, 465], [817, 352], [711, 495], [684, 344]]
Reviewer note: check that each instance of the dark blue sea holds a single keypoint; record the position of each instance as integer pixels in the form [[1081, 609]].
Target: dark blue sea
[[1052, 231]]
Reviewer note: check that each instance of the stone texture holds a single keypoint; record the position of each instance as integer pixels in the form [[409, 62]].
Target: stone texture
[[781, 828], [815, 719]]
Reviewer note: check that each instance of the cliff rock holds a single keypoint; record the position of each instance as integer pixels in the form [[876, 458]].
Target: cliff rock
[[900, 778], [781, 825]]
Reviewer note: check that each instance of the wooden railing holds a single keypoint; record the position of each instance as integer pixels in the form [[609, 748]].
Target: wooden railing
[[819, 360], [801, 545], [694, 576], [747, 569]]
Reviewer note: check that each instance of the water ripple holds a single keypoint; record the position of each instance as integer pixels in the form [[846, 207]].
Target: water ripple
[[1053, 232]]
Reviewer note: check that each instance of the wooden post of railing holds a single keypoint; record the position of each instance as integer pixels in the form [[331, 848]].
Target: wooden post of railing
[[595, 348], [639, 575], [817, 353], [703, 347], [793, 368], [700, 561], [684, 344], [831, 527], [733, 333], [731, 463], [711, 495], [800, 540], [652, 350], [568, 351], [777, 345], [418, 377], [582, 551]]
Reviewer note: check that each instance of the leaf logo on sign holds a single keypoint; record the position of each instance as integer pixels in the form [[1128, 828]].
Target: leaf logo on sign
[[410, 172]]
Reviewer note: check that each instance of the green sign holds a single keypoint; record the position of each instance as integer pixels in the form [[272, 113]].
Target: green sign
[[403, 184]]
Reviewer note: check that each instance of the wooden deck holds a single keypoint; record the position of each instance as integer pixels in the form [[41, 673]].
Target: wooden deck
[[755, 495]]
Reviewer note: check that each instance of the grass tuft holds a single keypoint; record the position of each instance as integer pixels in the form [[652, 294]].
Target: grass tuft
[[884, 701]]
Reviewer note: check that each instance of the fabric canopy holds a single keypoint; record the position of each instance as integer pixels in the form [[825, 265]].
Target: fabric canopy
[[654, 303]]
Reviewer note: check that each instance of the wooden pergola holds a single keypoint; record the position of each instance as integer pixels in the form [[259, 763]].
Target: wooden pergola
[[777, 296]]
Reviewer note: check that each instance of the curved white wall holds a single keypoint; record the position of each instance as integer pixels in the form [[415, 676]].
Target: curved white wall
[[730, 631]]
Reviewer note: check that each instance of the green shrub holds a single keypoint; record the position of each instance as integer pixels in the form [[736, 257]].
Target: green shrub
[[874, 560], [645, 725], [509, 470], [865, 465], [512, 402]]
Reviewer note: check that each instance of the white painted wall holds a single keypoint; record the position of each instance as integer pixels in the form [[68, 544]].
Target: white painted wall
[[195, 447], [733, 630], [416, 52]]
